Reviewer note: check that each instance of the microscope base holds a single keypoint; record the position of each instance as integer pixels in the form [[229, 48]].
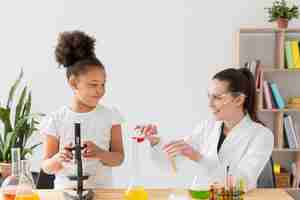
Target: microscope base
[[72, 195]]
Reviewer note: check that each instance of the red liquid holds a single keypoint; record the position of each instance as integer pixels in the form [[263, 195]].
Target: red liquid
[[8, 196], [138, 139]]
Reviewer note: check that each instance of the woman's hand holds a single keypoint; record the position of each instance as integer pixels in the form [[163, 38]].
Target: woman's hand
[[65, 155], [150, 133], [92, 151], [180, 147]]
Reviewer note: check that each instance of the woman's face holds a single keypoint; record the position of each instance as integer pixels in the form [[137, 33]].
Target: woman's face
[[89, 88], [223, 103]]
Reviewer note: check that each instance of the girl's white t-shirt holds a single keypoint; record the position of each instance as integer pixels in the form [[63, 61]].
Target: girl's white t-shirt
[[96, 127]]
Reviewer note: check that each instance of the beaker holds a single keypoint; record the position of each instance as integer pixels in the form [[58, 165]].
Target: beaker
[[135, 190], [10, 184], [26, 185], [199, 188]]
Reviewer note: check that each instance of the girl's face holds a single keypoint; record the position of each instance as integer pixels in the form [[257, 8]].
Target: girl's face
[[223, 103], [89, 88]]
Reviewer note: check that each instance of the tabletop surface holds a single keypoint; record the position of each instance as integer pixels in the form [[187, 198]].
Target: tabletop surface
[[162, 194]]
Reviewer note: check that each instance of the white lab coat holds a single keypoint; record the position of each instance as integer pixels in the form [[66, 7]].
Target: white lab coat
[[245, 150]]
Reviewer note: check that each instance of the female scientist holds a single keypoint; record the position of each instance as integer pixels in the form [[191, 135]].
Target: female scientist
[[234, 140]]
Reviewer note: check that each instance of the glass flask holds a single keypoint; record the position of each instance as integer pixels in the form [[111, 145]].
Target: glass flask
[[135, 190], [10, 184], [26, 185], [199, 188]]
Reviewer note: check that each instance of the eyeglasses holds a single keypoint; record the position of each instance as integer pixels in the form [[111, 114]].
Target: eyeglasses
[[215, 97]]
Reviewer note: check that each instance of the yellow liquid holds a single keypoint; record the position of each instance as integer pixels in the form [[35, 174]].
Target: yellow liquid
[[136, 193], [28, 197]]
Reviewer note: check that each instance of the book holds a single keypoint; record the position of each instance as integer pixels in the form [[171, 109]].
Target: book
[[253, 66], [258, 75], [277, 96], [267, 95], [292, 136], [289, 55], [294, 132], [289, 135], [295, 53], [286, 143], [274, 105]]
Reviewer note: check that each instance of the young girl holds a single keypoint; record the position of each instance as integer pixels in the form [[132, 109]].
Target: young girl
[[100, 126]]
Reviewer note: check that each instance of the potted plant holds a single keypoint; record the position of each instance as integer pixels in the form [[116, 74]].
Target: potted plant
[[19, 124], [282, 12]]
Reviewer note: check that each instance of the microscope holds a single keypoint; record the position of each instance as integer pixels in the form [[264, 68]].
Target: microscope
[[79, 193]]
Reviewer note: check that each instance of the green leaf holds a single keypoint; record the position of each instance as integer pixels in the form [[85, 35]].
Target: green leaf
[[1, 156], [29, 150], [13, 89], [34, 146], [25, 152], [30, 131], [5, 118], [1, 147], [1, 142], [11, 141], [27, 106], [20, 105], [25, 127]]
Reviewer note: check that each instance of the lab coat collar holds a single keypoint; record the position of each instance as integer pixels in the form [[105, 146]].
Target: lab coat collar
[[245, 121], [235, 133]]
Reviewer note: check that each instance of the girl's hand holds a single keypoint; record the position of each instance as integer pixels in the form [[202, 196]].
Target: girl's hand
[[180, 147], [150, 133], [65, 155], [92, 151]]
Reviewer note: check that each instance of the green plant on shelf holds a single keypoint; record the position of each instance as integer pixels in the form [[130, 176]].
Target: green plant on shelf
[[283, 9]]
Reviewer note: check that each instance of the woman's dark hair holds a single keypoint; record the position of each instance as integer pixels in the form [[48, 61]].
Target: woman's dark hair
[[75, 50], [241, 81]]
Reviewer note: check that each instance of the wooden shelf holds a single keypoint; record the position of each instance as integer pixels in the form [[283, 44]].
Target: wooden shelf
[[272, 65], [292, 189], [270, 70], [267, 30], [285, 150], [281, 110]]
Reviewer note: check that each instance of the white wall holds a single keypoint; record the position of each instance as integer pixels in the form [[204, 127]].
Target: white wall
[[159, 54]]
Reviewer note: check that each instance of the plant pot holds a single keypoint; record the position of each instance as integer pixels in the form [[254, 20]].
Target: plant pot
[[282, 23], [5, 169]]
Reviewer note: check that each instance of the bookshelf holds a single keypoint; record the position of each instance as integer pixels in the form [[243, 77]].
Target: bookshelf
[[267, 45]]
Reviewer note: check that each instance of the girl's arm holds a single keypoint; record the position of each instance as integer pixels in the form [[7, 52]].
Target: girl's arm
[[115, 156], [52, 159]]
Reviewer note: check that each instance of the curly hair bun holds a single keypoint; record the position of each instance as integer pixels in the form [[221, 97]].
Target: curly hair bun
[[73, 46]]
